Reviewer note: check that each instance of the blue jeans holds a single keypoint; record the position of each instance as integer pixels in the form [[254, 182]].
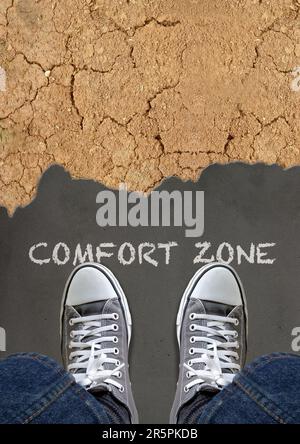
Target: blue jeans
[[34, 389], [265, 392]]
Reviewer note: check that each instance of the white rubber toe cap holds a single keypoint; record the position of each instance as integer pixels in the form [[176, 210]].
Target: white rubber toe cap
[[89, 284], [218, 284]]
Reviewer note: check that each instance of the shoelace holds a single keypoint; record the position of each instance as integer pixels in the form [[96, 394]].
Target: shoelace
[[217, 356], [90, 356]]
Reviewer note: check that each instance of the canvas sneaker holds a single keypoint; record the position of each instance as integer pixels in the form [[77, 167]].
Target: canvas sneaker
[[95, 333], [211, 332]]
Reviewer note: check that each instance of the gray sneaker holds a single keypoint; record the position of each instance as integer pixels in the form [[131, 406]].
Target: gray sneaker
[[95, 333], [211, 332]]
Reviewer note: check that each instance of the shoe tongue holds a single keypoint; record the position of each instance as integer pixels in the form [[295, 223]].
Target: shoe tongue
[[99, 389], [90, 309], [216, 308], [208, 388]]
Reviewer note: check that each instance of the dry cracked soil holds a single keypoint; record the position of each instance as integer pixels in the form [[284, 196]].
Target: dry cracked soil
[[134, 90]]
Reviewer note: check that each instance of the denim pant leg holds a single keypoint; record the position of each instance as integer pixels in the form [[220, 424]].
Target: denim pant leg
[[35, 389], [264, 392]]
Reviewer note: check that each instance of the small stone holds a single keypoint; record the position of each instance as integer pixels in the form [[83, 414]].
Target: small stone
[[47, 73]]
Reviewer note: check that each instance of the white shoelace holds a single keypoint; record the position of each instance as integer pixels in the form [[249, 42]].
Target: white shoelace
[[90, 356], [217, 356]]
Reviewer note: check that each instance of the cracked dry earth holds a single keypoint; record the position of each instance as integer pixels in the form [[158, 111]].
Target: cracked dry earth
[[135, 90]]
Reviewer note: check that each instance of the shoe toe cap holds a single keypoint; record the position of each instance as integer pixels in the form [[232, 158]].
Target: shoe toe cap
[[89, 284], [219, 284]]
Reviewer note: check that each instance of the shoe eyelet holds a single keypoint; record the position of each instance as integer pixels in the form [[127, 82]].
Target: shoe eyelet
[[116, 351], [118, 363], [190, 362], [115, 316], [188, 375], [192, 327], [115, 327], [192, 316], [191, 351], [120, 375], [71, 322], [121, 389], [192, 339], [236, 322], [72, 334], [186, 389], [115, 340], [70, 346], [236, 335]]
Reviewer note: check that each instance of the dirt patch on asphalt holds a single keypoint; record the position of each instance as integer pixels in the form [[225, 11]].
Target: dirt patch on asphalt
[[135, 90]]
